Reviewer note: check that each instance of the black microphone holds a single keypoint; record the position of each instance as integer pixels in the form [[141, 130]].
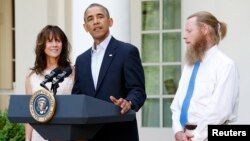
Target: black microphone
[[60, 77], [49, 77]]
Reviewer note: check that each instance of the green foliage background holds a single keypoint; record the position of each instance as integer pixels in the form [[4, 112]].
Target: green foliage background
[[10, 131]]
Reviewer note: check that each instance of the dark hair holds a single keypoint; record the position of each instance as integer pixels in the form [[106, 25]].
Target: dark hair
[[218, 29], [96, 5], [44, 35]]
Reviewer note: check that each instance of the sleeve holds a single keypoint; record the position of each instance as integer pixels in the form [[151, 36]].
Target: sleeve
[[176, 107], [134, 79]]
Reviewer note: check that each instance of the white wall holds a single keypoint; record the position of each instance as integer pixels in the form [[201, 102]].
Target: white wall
[[236, 44], [119, 11], [30, 17]]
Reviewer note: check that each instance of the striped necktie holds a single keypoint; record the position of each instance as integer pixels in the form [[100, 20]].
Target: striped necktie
[[186, 102]]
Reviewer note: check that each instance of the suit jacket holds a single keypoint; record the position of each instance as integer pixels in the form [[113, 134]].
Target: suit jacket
[[121, 75]]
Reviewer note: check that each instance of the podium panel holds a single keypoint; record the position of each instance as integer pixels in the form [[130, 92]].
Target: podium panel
[[75, 117]]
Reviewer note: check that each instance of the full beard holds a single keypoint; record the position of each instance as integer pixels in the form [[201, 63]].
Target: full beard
[[197, 51]]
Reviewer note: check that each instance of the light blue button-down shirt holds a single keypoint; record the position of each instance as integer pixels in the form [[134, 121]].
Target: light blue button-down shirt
[[97, 57]]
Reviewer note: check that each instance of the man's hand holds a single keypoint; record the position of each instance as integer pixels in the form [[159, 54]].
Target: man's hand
[[122, 103], [181, 136]]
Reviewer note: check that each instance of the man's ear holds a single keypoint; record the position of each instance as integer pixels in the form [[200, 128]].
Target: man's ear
[[205, 29], [85, 27], [110, 22]]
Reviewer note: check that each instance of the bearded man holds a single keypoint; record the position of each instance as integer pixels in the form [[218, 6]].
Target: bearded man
[[208, 91]]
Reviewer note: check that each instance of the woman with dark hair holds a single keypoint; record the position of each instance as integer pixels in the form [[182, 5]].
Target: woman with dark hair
[[52, 51]]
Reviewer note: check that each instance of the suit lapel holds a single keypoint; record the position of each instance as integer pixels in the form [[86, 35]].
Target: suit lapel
[[107, 59]]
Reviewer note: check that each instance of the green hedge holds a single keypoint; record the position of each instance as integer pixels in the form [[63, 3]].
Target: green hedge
[[10, 131]]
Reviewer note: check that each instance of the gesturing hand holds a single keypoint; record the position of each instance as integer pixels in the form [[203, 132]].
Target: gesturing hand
[[122, 103]]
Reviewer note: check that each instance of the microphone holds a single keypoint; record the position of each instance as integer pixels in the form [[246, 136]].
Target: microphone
[[49, 77], [60, 77]]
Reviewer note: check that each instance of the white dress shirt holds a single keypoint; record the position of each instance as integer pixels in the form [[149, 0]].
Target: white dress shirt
[[216, 93], [97, 57]]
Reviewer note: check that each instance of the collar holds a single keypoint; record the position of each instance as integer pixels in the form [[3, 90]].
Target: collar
[[102, 45], [210, 52]]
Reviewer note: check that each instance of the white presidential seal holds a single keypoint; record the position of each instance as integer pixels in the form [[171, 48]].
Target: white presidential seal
[[42, 105]]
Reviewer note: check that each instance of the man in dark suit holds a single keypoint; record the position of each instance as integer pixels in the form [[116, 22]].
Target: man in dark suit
[[110, 70]]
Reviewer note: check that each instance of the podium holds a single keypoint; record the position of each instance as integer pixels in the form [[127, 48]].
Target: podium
[[75, 117]]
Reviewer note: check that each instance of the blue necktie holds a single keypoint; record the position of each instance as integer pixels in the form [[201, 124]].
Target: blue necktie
[[186, 102]]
